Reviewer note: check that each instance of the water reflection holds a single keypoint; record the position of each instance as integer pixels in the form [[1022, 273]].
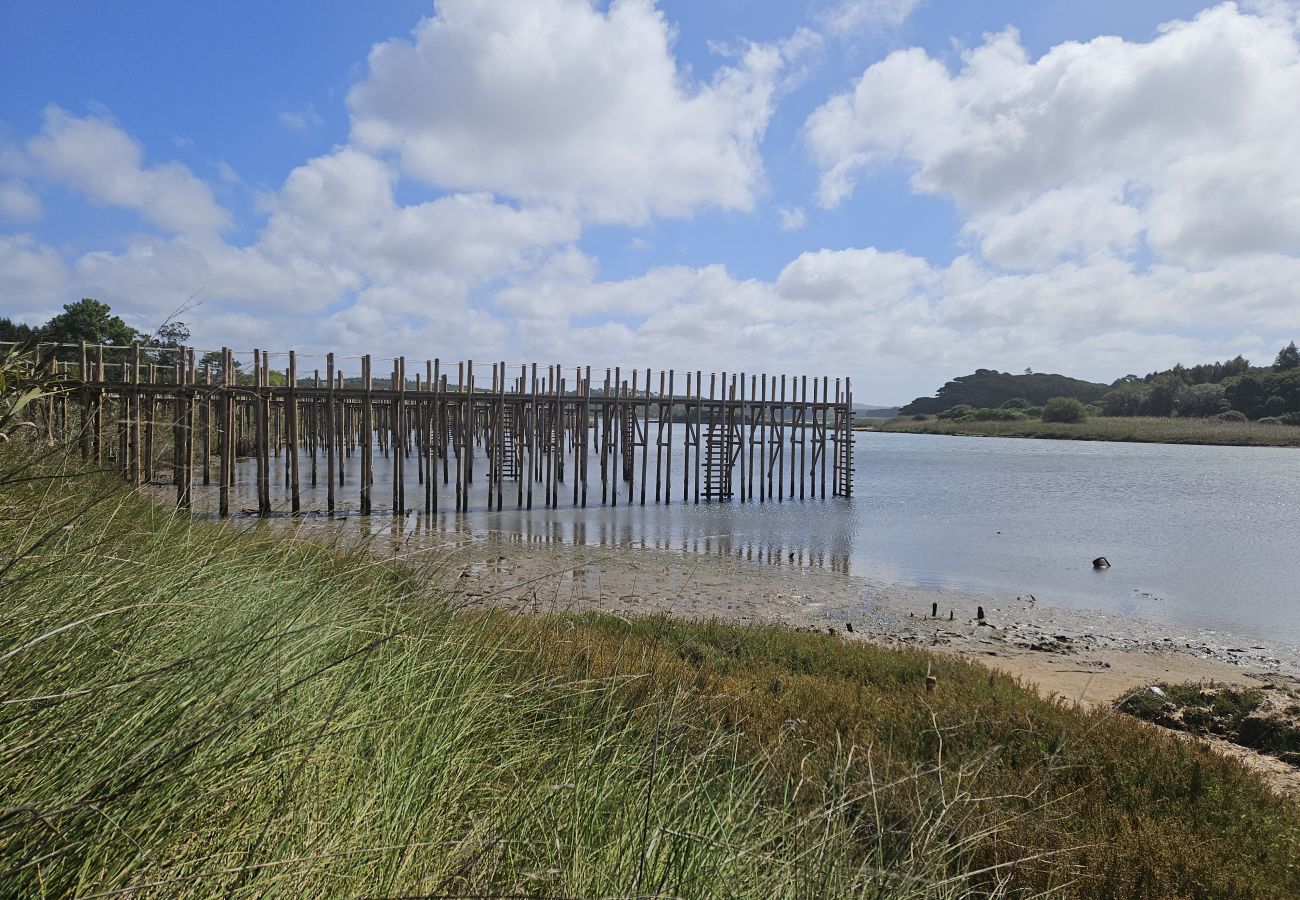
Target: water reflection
[[1199, 536], [800, 533]]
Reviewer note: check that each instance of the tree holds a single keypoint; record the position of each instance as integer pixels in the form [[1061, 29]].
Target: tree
[[90, 321], [1063, 409], [212, 359], [1127, 400], [1287, 358], [18, 332], [1200, 401], [1246, 394], [1160, 399], [172, 336]]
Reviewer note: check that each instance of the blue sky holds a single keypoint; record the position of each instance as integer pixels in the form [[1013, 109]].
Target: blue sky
[[896, 190]]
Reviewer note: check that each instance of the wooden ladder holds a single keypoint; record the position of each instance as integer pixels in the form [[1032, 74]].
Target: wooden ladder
[[717, 462], [843, 438], [629, 443], [509, 462]]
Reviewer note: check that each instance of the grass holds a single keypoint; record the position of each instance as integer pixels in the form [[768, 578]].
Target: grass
[[190, 709], [1113, 428]]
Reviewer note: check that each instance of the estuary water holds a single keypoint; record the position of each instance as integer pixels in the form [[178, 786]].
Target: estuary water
[[1204, 538]]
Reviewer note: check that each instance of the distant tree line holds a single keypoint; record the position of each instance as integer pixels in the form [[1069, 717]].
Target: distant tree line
[[1230, 390], [1233, 390], [92, 321]]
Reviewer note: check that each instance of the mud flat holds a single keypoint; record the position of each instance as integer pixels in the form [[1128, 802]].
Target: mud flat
[[1079, 655]]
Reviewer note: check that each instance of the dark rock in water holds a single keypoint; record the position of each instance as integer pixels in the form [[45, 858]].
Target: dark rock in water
[[1101, 562], [848, 627]]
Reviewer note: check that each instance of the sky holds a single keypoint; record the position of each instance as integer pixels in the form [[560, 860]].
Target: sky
[[898, 191]]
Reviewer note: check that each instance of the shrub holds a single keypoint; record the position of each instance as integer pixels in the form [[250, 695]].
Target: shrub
[[920, 417], [1274, 406], [1231, 415], [1200, 400], [1292, 418], [960, 411], [1127, 400], [1270, 420], [1063, 409], [997, 415], [1034, 412], [1016, 403]]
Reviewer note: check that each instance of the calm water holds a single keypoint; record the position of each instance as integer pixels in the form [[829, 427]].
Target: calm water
[[1199, 537]]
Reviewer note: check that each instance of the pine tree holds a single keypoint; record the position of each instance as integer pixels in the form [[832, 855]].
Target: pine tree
[[1287, 358]]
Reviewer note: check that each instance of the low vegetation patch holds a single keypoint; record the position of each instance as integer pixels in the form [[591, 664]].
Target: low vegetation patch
[[1264, 433], [192, 709], [1267, 721]]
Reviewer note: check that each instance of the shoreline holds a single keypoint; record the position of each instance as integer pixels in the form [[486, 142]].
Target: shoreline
[[1119, 430], [1077, 654], [1068, 655]]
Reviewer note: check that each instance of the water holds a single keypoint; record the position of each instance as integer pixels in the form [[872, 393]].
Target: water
[[1199, 537]]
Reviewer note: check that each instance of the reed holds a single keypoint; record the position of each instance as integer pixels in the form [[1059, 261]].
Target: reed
[[1136, 429]]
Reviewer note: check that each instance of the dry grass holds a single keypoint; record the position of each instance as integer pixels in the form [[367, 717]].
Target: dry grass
[[1129, 429]]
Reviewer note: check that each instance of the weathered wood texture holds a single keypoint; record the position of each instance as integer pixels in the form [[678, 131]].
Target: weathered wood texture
[[537, 427]]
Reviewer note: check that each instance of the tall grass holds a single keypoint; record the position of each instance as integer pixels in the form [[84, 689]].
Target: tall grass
[[191, 709], [1138, 429]]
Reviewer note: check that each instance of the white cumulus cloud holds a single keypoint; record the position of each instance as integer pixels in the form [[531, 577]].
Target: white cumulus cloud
[[562, 102], [1186, 141], [18, 203], [92, 155], [849, 16]]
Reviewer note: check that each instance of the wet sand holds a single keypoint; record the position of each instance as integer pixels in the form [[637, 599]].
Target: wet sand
[[1082, 656]]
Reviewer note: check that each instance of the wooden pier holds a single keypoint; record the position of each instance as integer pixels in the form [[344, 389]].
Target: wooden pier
[[526, 434]]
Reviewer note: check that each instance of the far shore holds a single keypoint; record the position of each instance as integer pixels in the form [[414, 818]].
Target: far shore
[[1123, 429]]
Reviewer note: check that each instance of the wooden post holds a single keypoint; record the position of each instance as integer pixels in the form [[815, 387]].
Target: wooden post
[[668, 470], [803, 434], [699, 427], [135, 405], [467, 435], [826, 445], [99, 404], [531, 432], [329, 433], [291, 435], [367, 435], [780, 467], [436, 433]]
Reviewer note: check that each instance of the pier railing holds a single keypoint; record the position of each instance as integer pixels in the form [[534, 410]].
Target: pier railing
[[527, 433]]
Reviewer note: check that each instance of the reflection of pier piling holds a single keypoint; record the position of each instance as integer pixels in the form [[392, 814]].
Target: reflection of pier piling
[[536, 429]]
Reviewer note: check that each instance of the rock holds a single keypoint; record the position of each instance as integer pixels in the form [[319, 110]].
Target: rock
[[1101, 562]]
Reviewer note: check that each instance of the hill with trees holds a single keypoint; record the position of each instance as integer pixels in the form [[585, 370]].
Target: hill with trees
[[1232, 391], [989, 388]]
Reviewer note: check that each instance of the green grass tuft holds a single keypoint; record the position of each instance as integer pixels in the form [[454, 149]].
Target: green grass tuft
[[194, 709]]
